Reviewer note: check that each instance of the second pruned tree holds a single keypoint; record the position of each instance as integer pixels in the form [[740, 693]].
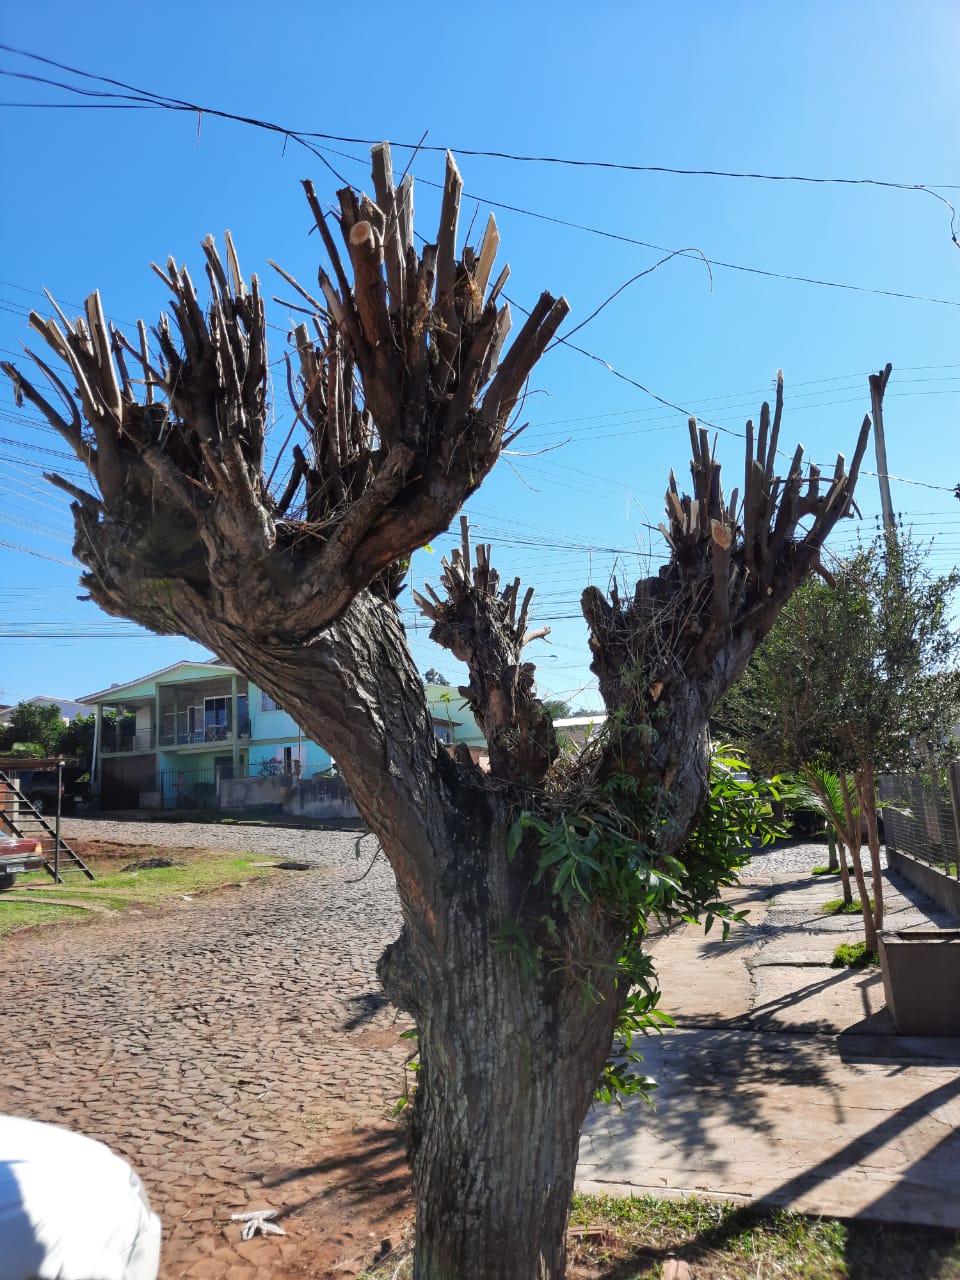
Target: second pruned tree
[[525, 890], [857, 679]]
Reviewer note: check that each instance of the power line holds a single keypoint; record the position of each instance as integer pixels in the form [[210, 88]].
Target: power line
[[165, 102], [162, 100], [42, 555], [693, 254]]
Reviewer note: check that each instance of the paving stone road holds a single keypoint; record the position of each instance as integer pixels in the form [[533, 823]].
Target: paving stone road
[[215, 1043]]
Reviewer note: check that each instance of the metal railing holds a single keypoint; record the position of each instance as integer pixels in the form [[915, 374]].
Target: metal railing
[[931, 831], [192, 788], [212, 733], [118, 741]]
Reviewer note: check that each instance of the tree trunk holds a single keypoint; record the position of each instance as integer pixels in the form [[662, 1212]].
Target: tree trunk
[[514, 1029], [845, 848], [867, 790], [833, 862], [498, 1115], [853, 828]]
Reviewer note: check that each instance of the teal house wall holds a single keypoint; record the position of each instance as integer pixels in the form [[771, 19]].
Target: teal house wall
[[168, 739]]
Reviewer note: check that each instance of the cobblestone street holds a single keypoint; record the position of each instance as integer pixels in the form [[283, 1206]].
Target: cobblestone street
[[231, 1047]]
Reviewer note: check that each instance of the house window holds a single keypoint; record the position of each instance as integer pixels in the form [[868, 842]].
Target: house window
[[267, 703], [288, 759], [192, 725], [442, 732], [216, 719]]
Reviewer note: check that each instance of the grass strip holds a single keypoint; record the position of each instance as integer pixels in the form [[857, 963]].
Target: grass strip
[[632, 1238], [837, 907], [123, 890], [719, 1239], [853, 955]]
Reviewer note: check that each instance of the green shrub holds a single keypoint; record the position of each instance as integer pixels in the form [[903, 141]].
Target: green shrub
[[853, 955], [837, 907]]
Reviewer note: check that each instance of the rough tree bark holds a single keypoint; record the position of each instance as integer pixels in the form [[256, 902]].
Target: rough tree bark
[[405, 396]]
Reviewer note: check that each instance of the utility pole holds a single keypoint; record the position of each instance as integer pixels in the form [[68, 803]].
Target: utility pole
[[56, 851], [878, 385]]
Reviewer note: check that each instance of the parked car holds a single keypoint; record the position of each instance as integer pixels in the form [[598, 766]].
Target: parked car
[[17, 855], [40, 788]]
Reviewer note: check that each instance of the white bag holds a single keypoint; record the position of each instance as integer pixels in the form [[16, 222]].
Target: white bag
[[70, 1209]]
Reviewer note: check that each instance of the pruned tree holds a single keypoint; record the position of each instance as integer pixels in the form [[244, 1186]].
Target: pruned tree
[[856, 679], [514, 959]]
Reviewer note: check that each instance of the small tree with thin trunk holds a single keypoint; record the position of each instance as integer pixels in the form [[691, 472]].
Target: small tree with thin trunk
[[854, 680], [524, 890], [783, 709]]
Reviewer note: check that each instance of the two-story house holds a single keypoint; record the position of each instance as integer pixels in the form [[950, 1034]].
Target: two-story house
[[167, 739]]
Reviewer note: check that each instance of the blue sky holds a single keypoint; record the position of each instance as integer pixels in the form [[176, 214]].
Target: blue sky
[[855, 90]]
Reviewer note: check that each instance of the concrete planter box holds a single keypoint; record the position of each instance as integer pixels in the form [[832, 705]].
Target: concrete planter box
[[921, 980]]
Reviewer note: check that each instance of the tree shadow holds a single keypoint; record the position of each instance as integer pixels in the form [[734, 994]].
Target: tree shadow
[[917, 899], [366, 1167], [714, 1077], [761, 1016], [799, 919], [928, 1189], [805, 920], [365, 1007]]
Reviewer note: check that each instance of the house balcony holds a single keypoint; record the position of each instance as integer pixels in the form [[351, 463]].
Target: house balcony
[[185, 736], [117, 741]]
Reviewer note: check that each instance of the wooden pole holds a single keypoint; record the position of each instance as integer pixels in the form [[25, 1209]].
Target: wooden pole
[[878, 384], [56, 851]]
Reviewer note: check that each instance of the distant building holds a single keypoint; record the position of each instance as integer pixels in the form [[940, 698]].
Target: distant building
[[453, 721], [68, 709], [578, 729], [167, 739]]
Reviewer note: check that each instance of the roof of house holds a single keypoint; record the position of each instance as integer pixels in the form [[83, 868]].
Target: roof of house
[[69, 709], [176, 668]]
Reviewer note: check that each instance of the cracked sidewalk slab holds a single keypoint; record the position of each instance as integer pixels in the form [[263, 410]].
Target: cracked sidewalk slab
[[783, 1082], [782, 1119]]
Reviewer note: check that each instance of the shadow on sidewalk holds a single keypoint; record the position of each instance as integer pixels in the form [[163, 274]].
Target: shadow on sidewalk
[[878, 1242]]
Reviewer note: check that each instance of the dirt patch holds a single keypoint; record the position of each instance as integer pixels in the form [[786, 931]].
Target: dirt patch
[[92, 851], [152, 864], [357, 1206]]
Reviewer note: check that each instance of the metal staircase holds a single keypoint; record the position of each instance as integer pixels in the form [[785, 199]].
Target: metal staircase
[[20, 818]]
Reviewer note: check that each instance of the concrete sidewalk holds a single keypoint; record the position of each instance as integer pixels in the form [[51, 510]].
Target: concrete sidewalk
[[784, 1081]]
